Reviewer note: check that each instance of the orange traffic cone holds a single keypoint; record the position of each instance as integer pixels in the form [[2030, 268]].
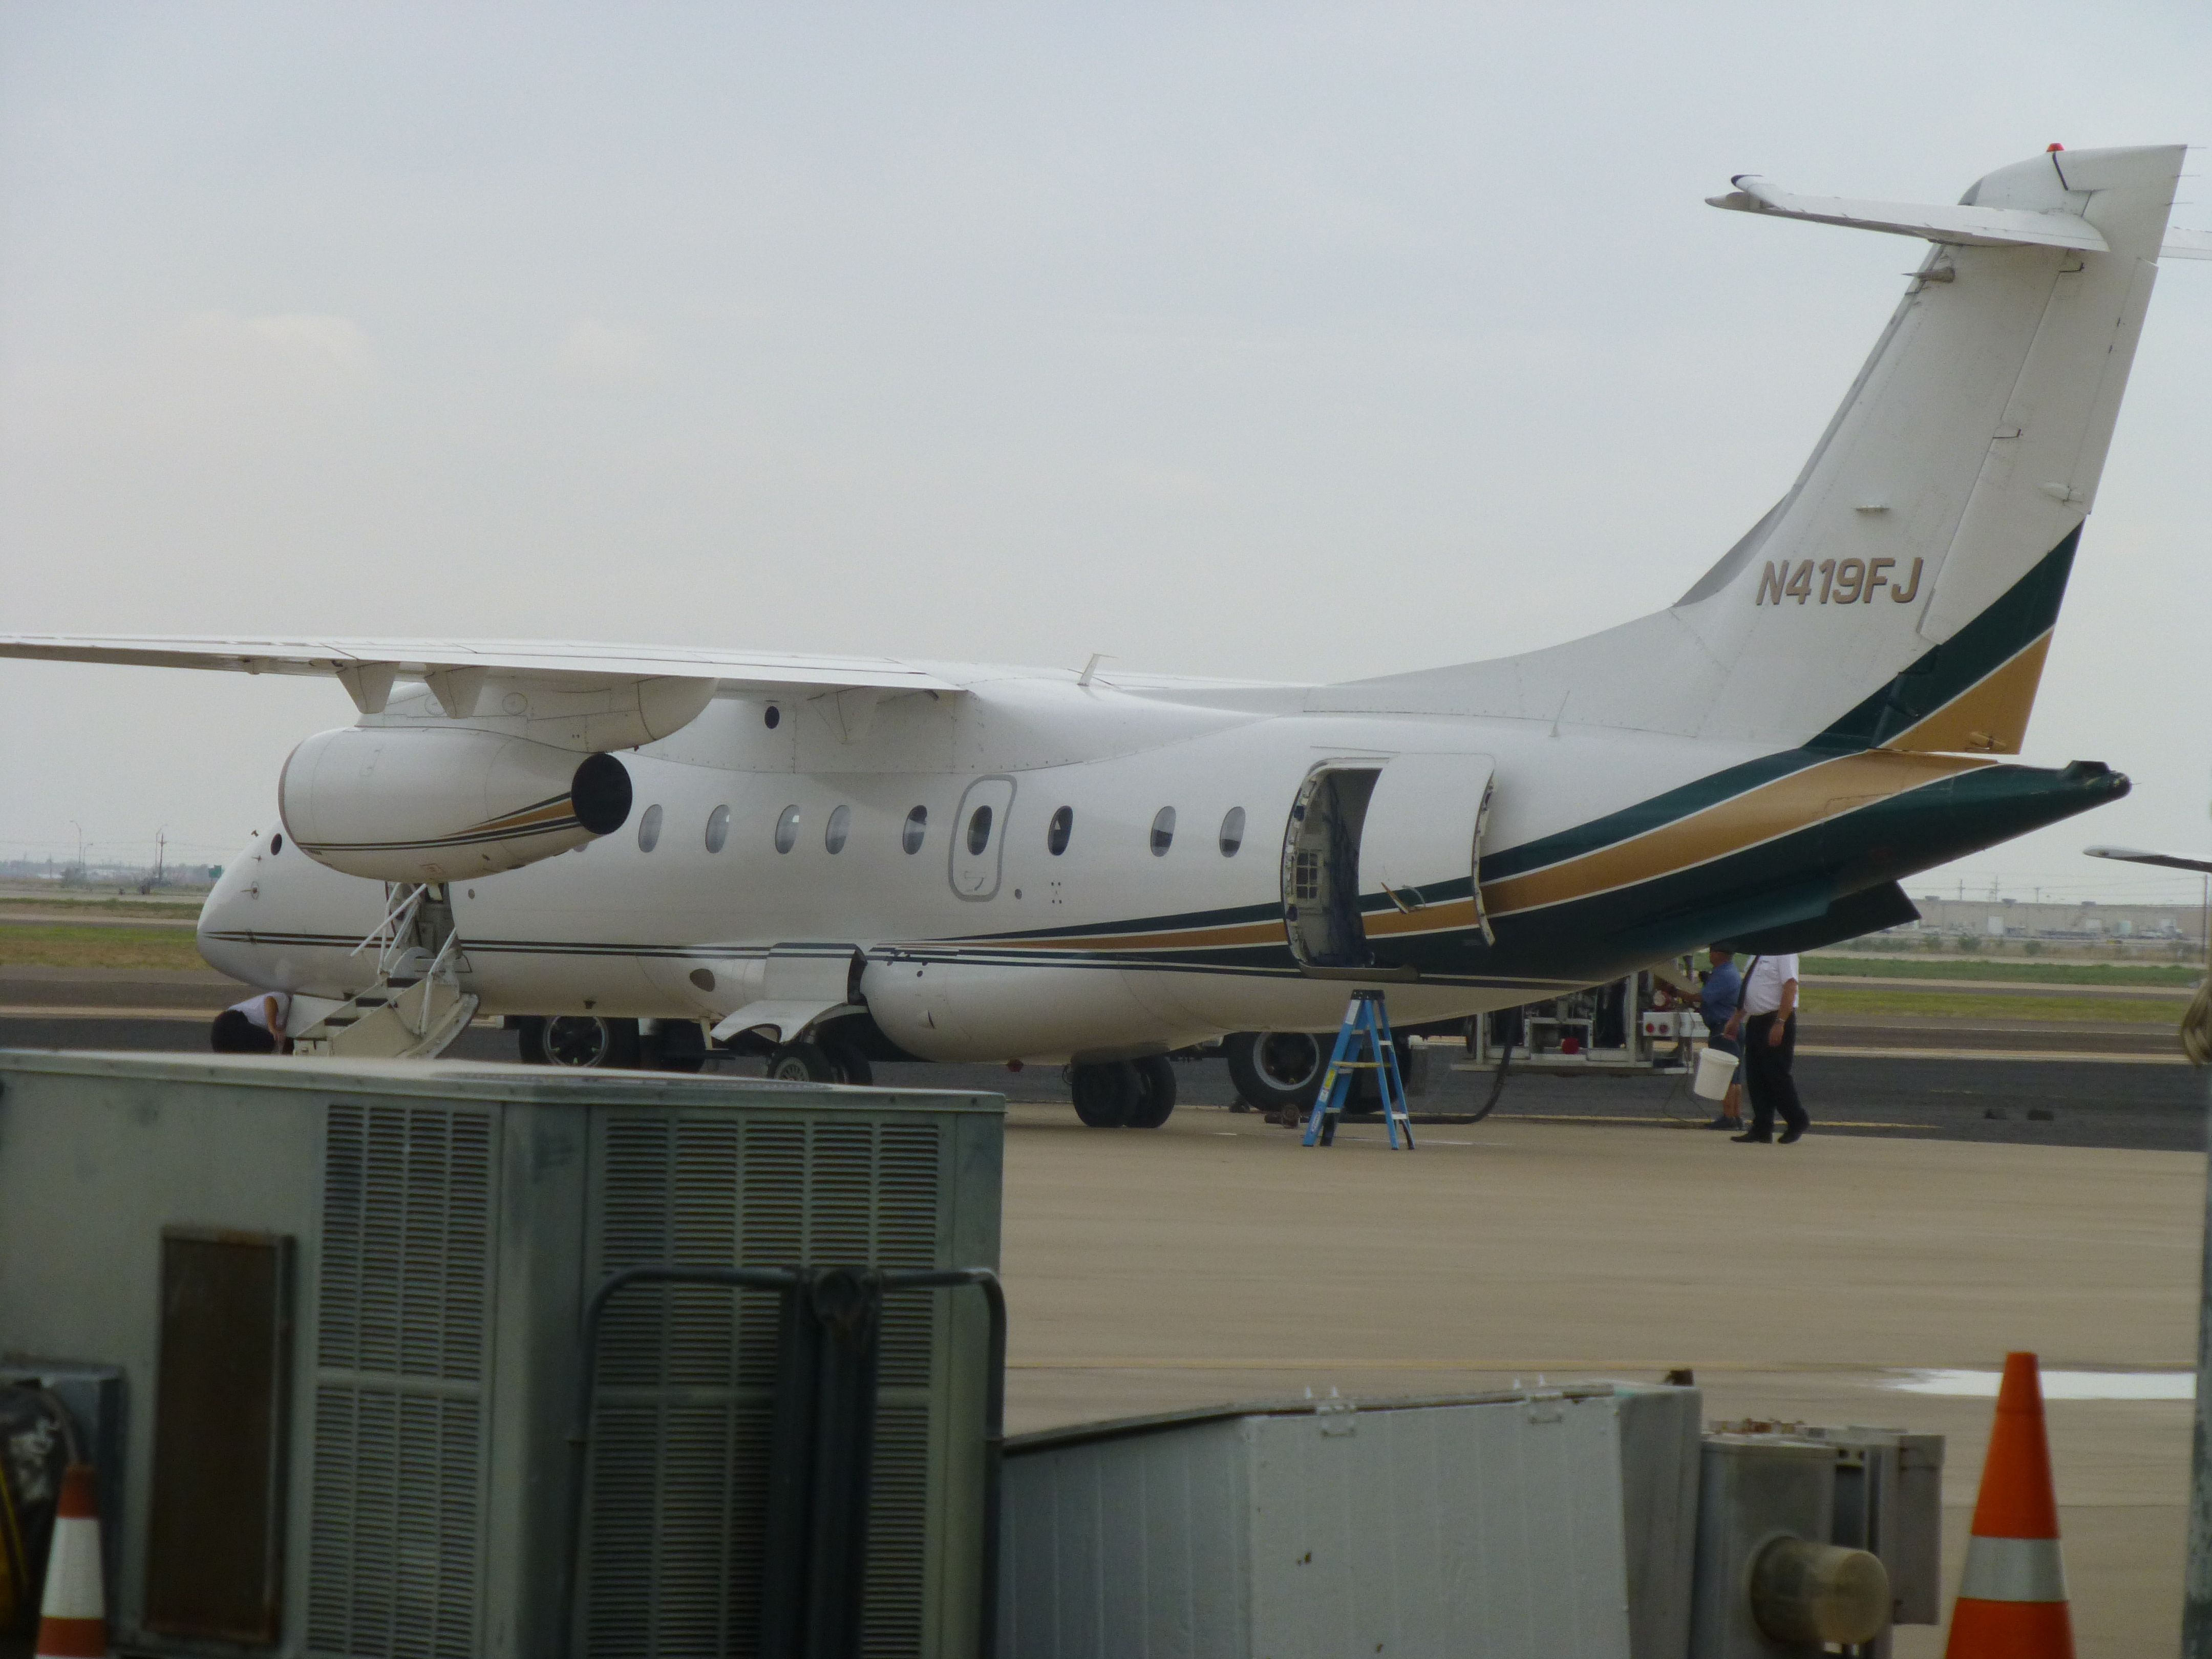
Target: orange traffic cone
[[73, 1617], [2012, 1595]]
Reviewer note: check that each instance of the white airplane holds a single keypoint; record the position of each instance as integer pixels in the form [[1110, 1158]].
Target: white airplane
[[830, 859]]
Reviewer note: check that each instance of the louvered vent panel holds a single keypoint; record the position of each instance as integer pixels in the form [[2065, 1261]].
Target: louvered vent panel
[[772, 1233], [679, 1446], [907, 1187], [891, 1619], [395, 1537]]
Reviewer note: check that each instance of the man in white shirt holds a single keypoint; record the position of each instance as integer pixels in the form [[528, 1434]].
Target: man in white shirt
[[1768, 1024], [255, 1026]]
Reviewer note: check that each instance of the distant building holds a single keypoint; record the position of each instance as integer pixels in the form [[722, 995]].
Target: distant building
[[2078, 921]]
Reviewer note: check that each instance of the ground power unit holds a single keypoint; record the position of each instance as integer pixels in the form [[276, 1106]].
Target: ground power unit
[[346, 1299]]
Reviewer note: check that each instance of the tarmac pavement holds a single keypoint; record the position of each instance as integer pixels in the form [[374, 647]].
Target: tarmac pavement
[[1933, 1219], [1217, 1259]]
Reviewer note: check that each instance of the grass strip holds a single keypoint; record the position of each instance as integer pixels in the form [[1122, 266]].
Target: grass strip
[[182, 907], [61, 945], [1839, 1004], [2025, 973]]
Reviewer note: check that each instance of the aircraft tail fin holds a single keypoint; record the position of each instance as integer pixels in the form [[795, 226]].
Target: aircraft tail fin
[[1902, 592]]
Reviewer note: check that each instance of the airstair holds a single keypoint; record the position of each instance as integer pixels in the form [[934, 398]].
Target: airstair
[[416, 1009]]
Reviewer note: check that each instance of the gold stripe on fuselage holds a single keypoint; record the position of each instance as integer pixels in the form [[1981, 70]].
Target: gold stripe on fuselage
[[1825, 790]]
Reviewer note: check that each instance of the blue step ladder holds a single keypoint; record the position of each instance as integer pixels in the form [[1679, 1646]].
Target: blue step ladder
[[1366, 1027]]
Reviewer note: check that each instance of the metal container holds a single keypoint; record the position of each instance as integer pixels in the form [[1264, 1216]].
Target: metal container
[[392, 1260], [1545, 1524]]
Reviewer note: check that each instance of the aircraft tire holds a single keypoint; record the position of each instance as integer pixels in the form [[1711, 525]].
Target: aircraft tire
[[1106, 1092], [582, 1042], [801, 1063], [1156, 1099], [678, 1045], [846, 1061], [1275, 1070], [529, 1038]]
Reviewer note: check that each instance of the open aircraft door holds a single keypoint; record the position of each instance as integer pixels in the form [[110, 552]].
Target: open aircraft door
[[1420, 853]]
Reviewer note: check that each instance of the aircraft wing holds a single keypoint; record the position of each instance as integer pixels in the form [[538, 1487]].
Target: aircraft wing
[[598, 696], [2135, 855], [416, 659]]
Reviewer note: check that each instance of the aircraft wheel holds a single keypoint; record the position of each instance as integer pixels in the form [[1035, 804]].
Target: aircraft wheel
[[529, 1038], [801, 1063], [677, 1045], [1156, 1098], [1277, 1070], [847, 1061], [584, 1042], [1106, 1092]]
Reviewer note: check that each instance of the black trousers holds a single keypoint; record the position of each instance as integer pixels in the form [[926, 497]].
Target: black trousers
[[235, 1034], [1766, 1074]]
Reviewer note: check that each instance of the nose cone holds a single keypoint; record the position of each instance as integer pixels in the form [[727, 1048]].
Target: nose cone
[[226, 929]]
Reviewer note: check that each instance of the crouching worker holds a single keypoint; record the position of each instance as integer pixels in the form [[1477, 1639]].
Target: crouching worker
[[255, 1026]]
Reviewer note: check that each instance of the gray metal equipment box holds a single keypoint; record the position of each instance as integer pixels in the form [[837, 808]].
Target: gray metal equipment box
[[1552, 1525], [1878, 1490], [345, 1297]]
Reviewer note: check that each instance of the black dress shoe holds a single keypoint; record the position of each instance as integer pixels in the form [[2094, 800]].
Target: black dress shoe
[[1725, 1123], [1789, 1135], [1754, 1135]]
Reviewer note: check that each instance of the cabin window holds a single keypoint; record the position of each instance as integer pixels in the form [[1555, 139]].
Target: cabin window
[[1056, 833], [839, 827], [1163, 831], [648, 829], [717, 828], [786, 830], [275, 846], [917, 826], [773, 717], [978, 831], [1232, 832]]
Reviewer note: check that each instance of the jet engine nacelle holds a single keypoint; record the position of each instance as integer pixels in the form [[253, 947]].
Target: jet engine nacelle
[[419, 804]]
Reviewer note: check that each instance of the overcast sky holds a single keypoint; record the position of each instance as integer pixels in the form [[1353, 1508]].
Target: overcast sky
[[1269, 340]]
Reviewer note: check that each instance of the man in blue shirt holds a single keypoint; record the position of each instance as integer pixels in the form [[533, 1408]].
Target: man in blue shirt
[[1723, 991]]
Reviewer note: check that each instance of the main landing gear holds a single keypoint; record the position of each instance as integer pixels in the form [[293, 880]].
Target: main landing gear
[[833, 1059], [1124, 1094]]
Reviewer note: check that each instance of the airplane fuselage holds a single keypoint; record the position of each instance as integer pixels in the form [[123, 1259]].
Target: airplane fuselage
[[1602, 850]]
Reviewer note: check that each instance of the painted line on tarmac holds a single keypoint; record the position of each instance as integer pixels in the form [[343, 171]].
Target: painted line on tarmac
[[1678, 1122], [2089, 1055], [68, 1010], [1554, 1368]]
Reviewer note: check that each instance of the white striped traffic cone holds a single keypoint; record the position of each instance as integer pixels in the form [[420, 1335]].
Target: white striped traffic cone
[[73, 1617], [2012, 1597]]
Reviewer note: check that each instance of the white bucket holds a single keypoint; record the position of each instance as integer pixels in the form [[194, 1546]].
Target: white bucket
[[1716, 1071]]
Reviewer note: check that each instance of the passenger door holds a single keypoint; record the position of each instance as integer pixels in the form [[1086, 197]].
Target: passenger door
[[979, 837], [1420, 856]]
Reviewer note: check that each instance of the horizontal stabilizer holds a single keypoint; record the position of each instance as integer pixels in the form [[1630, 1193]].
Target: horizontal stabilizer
[[1966, 227], [2136, 855]]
